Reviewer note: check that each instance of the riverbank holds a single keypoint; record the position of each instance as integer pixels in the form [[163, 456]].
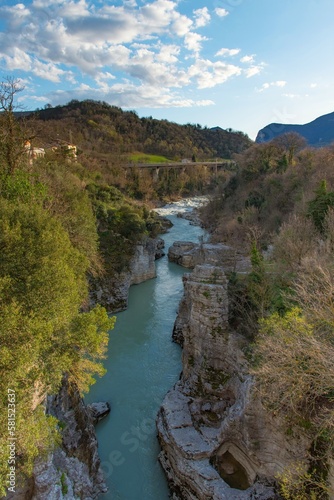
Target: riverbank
[[143, 363]]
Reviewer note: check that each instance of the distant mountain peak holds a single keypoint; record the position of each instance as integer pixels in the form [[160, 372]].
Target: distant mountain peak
[[319, 132]]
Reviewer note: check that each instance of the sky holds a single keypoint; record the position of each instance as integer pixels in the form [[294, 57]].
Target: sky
[[239, 64]]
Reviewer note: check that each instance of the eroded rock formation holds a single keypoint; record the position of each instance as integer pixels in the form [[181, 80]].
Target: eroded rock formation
[[189, 254], [112, 291], [72, 470], [217, 440]]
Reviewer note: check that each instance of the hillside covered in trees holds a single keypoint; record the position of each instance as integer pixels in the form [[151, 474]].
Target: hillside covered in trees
[[59, 225], [108, 140], [101, 129], [64, 220], [279, 208]]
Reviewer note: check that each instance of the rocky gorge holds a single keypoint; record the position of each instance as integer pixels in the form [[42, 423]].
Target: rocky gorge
[[72, 470], [112, 290], [217, 439]]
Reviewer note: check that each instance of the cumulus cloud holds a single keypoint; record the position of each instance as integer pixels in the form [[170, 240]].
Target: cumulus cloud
[[267, 85], [253, 70], [138, 52], [202, 17], [247, 59], [193, 41], [129, 96], [227, 52], [221, 12], [208, 74], [49, 71]]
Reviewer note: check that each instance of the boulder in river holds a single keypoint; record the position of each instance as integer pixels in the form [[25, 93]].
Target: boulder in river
[[97, 411]]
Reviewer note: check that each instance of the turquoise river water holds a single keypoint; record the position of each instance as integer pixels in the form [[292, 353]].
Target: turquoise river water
[[142, 365]]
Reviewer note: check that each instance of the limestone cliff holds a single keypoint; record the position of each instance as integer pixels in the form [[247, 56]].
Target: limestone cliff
[[189, 254], [217, 440], [112, 291], [73, 470]]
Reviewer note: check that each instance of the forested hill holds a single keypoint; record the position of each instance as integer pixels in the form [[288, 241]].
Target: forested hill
[[319, 132], [97, 126]]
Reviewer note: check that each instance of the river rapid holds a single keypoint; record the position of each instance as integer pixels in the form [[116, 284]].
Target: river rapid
[[142, 365]]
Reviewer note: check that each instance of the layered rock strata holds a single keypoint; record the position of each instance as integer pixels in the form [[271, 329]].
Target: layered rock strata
[[73, 470], [189, 254], [217, 440], [112, 291]]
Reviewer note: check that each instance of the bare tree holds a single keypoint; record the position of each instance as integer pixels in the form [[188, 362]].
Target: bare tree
[[12, 143], [292, 143]]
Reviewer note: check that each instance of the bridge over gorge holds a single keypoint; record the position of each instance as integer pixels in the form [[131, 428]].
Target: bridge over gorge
[[212, 166]]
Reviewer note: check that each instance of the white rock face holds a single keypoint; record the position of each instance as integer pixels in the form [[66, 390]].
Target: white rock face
[[189, 254], [217, 440], [72, 471], [112, 291], [142, 266]]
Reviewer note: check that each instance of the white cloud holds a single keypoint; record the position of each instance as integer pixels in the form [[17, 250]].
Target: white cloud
[[180, 25], [130, 3], [277, 83], [48, 71], [313, 85], [150, 44], [202, 17], [247, 59], [74, 9], [38, 98], [193, 41], [221, 12], [253, 70], [227, 52], [209, 74], [295, 96], [168, 54], [17, 59], [127, 95]]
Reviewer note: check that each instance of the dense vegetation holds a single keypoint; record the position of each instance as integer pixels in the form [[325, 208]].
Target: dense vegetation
[[279, 207], [101, 129], [63, 220], [109, 140], [58, 224]]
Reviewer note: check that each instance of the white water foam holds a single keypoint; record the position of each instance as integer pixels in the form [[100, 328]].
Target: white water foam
[[181, 206]]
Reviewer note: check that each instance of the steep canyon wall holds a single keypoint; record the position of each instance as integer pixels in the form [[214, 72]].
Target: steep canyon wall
[[217, 440]]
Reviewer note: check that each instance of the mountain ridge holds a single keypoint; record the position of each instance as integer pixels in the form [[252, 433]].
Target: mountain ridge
[[319, 132]]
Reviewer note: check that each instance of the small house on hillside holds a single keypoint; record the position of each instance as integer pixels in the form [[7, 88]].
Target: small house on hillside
[[33, 153]]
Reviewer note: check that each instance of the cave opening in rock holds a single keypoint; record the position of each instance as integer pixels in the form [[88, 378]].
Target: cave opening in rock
[[233, 473]]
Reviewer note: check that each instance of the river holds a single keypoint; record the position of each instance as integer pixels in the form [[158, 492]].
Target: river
[[142, 365]]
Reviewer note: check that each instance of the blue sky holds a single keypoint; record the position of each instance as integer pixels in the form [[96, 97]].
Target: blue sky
[[232, 63]]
